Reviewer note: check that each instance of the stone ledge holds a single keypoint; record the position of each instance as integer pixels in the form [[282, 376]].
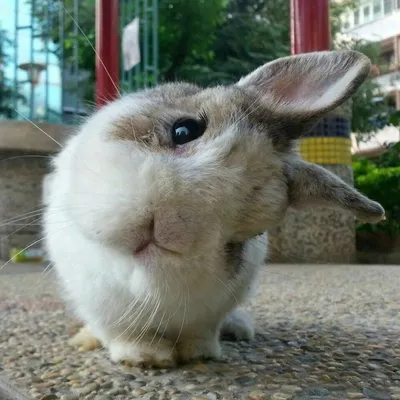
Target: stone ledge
[[22, 135], [371, 257]]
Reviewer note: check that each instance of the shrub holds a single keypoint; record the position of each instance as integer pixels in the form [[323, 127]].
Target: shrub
[[380, 180]]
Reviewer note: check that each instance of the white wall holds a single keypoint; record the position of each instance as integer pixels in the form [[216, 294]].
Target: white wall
[[389, 134]]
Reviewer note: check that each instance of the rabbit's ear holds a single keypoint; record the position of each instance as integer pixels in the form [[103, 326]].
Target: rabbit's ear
[[311, 185], [299, 89]]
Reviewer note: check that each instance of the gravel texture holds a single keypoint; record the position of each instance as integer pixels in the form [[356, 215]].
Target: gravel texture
[[324, 332]]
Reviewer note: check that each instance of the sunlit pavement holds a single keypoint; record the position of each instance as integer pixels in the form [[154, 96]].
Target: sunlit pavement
[[323, 332]]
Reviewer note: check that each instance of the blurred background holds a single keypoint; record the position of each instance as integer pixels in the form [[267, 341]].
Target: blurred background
[[50, 78]]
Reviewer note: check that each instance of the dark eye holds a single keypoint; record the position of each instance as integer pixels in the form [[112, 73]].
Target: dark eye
[[186, 130]]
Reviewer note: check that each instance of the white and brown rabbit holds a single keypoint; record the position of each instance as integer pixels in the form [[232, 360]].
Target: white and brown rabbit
[[158, 208]]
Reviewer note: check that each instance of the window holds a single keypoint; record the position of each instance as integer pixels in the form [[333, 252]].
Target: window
[[357, 17], [377, 8], [391, 101], [387, 6], [367, 13], [388, 56], [346, 25]]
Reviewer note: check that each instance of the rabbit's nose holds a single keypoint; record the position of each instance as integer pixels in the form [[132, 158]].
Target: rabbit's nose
[[147, 236]]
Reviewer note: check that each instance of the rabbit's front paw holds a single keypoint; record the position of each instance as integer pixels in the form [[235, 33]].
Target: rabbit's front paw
[[199, 348], [84, 340], [238, 326], [145, 354]]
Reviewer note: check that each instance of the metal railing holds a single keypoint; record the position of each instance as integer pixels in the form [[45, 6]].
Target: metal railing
[[145, 73], [47, 56]]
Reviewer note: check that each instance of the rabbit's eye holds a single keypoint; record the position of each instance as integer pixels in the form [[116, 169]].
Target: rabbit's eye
[[186, 130]]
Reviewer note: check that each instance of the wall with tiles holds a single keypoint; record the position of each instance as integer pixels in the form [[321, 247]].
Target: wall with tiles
[[320, 235]]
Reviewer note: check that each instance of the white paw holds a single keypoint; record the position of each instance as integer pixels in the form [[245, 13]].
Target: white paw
[[85, 340], [196, 348], [143, 354], [238, 326]]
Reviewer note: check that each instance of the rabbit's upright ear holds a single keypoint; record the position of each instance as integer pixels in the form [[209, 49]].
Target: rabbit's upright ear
[[298, 90], [311, 185]]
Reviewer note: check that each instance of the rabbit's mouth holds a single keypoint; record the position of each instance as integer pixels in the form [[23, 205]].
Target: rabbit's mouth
[[149, 248], [143, 246], [155, 240]]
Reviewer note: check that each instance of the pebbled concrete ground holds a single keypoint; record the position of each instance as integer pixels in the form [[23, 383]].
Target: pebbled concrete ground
[[324, 332]]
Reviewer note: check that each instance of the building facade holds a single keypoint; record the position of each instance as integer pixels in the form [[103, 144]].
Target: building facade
[[379, 21]]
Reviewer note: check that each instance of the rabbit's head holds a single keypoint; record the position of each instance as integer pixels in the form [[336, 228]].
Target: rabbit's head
[[183, 171]]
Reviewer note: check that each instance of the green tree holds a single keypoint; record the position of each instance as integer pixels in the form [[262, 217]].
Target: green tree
[[252, 32], [186, 32], [205, 41], [214, 42], [368, 113], [379, 180]]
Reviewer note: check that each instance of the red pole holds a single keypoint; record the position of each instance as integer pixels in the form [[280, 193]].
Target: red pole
[[107, 48], [310, 26]]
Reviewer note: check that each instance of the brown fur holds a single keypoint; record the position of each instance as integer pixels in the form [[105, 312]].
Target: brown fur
[[202, 204], [274, 105]]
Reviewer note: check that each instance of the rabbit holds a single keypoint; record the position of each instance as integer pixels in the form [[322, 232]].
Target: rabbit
[[158, 208]]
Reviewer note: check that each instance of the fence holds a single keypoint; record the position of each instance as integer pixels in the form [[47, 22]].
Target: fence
[[47, 75], [47, 56]]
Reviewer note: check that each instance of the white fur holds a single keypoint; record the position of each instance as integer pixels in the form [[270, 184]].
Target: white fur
[[101, 193], [106, 193]]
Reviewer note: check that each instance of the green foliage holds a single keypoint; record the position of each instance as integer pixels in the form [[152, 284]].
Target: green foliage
[[212, 42], [368, 114], [391, 158], [186, 34], [336, 11], [394, 118], [253, 32], [380, 180], [203, 41]]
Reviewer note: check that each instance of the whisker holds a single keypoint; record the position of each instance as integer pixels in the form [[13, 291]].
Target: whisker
[[183, 317], [17, 219], [126, 312], [225, 285], [38, 127], [20, 252], [136, 316], [149, 321], [19, 229], [43, 275], [169, 318], [130, 307], [25, 156], [29, 246], [158, 328]]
